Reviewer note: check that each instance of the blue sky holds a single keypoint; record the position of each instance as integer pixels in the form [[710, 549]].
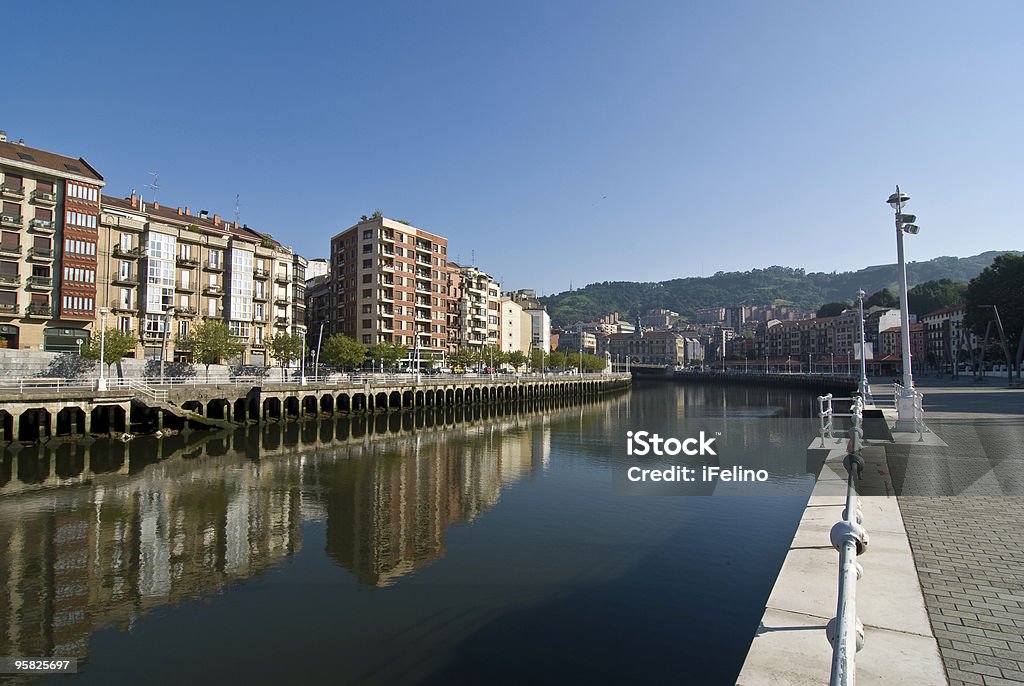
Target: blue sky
[[554, 142]]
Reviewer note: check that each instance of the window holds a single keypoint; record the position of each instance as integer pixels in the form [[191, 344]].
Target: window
[[12, 209], [183, 328], [124, 324], [76, 190], [80, 219], [14, 182]]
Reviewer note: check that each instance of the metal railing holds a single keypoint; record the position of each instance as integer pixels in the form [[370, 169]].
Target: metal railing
[[848, 536]]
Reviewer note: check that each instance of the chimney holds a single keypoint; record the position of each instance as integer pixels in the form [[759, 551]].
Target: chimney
[[216, 220], [156, 205], [135, 199], [186, 211], [3, 136], [179, 211]]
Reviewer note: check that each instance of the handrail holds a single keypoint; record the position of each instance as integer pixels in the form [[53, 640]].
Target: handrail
[[845, 630]]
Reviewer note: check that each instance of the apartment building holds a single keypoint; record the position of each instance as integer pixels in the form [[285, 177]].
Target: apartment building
[[49, 216], [947, 337], [516, 327], [474, 309], [540, 321], [164, 269], [391, 283], [651, 347]]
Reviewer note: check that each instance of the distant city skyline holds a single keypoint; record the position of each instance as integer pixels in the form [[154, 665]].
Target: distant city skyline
[[555, 143]]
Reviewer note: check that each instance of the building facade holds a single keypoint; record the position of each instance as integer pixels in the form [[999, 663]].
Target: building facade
[[391, 285], [162, 270], [49, 217]]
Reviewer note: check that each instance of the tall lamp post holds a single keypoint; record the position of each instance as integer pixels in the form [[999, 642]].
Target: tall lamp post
[[863, 387], [905, 404], [101, 383], [168, 313]]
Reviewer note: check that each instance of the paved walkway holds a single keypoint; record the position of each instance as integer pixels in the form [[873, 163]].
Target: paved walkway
[[963, 510]]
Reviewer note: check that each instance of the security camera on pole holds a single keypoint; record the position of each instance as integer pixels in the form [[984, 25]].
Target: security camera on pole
[[906, 404]]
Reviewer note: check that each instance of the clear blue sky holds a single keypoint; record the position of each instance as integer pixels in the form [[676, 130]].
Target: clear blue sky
[[557, 142]]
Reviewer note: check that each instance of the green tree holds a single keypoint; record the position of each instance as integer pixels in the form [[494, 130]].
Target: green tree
[[933, 295], [593, 363], [516, 358], [342, 351], [833, 309], [882, 298], [465, 358], [556, 360], [492, 356], [388, 354], [210, 343], [116, 345], [538, 358], [1002, 285], [285, 347]]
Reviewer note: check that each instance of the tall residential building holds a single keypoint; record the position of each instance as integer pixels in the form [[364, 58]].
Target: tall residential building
[[163, 269], [540, 324], [391, 285], [516, 327], [475, 302], [49, 215]]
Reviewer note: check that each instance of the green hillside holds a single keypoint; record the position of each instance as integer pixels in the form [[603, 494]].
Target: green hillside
[[755, 287]]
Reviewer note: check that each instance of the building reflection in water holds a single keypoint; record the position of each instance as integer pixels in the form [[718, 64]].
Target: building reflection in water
[[159, 521]]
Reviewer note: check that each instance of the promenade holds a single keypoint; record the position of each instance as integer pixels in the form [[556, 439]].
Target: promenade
[[942, 598], [964, 514]]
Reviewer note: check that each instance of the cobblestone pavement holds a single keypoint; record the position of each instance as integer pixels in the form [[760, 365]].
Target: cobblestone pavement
[[963, 507]]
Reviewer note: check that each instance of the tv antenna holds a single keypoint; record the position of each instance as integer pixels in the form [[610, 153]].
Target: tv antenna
[[155, 184], [238, 206]]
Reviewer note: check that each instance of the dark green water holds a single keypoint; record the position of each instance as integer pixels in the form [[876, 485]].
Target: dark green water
[[463, 548]]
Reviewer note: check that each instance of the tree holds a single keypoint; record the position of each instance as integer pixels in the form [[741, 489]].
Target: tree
[[537, 359], [933, 295], [882, 298], [388, 354], [466, 358], [341, 351], [492, 356], [210, 343], [556, 359], [516, 358], [285, 347], [116, 344], [1002, 285], [832, 309]]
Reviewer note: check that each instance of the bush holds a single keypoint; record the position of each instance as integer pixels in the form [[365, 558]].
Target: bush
[[172, 370], [67, 366]]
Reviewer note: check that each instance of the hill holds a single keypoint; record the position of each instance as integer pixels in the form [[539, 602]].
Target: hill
[[755, 287]]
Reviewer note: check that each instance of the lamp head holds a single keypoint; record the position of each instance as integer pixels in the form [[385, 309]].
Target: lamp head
[[913, 229], [897, 199]]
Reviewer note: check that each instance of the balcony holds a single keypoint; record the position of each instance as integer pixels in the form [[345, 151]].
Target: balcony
[[40, 254], [152, 335], [124, 279], [185, 287], [43, 198], [121, 306], [16, 192], [280, 321], [258, 345], [386, 297], [211, 289], [213, 267], [282, 278], [8, 309], [37, 282], [128, 253], [187, 262], [10, 280], [185, 311], [11, 250], [281, 300], [422, 288], [260, 273], [11, 221], [38, 310], [261, 297], [41, 225], [422, 316]]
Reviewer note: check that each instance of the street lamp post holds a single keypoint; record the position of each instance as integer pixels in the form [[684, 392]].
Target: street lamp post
[[863, 387], [168, 313], [905, 404], [101, 383]]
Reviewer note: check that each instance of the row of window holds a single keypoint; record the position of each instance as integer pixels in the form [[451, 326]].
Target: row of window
[[76, 190], [79, 274], [77, 247], [78, 303], [80, 219]]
